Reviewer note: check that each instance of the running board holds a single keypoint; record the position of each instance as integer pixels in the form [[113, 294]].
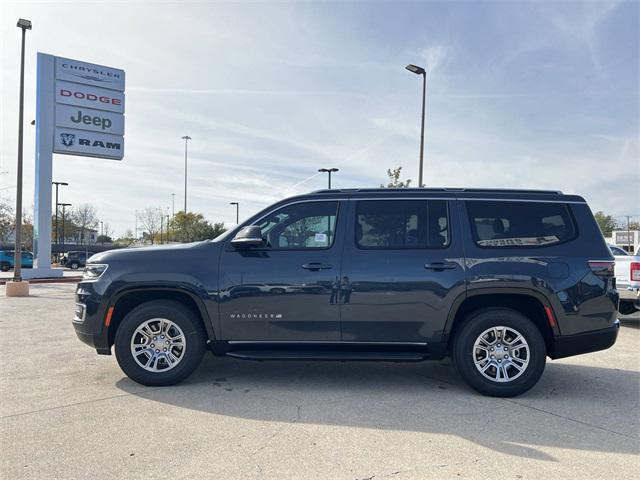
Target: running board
[[328, 355]]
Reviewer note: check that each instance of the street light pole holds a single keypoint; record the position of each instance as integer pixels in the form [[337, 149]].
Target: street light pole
[[57, 184], [237, 211], [421, 71], [173, 205], [186, 138], [17, 259], [329, 171], [63, 205]]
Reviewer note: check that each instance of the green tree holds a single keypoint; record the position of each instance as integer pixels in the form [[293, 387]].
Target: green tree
[[606, 223], [394, 179], [193, 227]]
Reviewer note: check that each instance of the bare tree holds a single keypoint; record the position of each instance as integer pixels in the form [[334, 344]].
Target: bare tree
[[6, 219], [27, 231], [85, 218], [151, 220], [106, 233]]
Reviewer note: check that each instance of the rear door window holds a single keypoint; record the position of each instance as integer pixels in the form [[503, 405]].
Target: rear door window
[[520, 224], [393, 224]]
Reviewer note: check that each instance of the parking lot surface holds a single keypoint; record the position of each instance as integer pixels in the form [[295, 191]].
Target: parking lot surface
[[70, 414]]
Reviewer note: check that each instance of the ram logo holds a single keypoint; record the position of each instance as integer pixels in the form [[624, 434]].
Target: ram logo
[[68, 139]]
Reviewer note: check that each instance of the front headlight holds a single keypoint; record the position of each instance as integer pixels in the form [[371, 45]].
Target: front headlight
[[94, 270]]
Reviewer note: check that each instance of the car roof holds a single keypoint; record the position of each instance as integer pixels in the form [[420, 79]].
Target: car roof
[[461, 193]]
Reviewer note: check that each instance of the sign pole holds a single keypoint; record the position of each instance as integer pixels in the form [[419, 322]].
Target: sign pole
[[43, 170]]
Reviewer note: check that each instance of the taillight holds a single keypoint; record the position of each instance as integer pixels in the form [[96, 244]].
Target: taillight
[[635, 271], [602, 268]]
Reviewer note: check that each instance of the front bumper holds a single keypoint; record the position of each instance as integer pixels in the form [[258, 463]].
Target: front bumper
[[88, 322], [569, 345]]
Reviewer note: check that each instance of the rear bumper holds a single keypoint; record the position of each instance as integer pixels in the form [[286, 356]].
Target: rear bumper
[[630, 295], [569, 345]]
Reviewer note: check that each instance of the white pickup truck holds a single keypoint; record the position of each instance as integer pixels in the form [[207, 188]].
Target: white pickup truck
[[627, 272]]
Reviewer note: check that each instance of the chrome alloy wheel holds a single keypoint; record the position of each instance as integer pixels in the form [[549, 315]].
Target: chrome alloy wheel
[[501, 354], [158, 345]]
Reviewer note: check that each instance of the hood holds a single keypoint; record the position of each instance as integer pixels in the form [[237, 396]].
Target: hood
[[146, 253]]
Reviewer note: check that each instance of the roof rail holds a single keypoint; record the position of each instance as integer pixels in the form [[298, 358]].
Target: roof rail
[[442, 189]]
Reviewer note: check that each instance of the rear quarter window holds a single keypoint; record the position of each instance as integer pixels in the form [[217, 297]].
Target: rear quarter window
[[520, 224]]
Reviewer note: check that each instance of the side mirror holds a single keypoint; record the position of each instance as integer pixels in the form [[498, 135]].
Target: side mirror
[[250, 236]]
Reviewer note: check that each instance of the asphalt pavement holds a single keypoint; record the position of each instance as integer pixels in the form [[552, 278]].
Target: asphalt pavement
[[67, 413]]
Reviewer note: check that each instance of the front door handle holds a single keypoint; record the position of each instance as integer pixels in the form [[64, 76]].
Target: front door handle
[[440, 266], [315, 266]]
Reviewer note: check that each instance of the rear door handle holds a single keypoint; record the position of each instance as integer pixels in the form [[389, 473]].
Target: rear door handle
[[317, 266], [440, 266]]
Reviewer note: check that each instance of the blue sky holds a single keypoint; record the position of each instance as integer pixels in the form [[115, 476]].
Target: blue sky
[[520, 94]]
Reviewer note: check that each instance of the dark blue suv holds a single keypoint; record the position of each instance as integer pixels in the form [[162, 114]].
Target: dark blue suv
[[498, 279]]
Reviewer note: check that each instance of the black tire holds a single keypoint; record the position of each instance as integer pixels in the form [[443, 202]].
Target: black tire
[[74, 265], [189, 323], [463, 351], [5, 267]]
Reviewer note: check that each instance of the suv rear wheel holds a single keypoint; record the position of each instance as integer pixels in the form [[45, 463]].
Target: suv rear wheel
[[74, 265], [159, 343], [499, 352]]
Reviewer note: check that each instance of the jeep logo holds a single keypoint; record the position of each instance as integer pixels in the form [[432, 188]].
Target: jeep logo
[[103, 123]]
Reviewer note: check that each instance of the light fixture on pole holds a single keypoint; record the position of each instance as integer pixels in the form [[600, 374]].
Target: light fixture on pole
[[329, 171], [237, 211], [421, 71], [186, 139], [24, 25]]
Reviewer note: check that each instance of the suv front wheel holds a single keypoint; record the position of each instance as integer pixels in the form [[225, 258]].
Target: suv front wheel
[[159, 343], [499, 352]]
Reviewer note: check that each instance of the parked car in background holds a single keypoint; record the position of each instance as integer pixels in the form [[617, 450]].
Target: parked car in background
[[7, 259], [497, 279], [627, 272], [76, 259]]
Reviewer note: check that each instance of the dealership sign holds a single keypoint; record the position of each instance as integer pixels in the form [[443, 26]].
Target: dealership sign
[[89, 109], [79, 111], [88, 96]]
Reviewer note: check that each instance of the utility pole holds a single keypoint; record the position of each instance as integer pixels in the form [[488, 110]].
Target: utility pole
[[173, 205]]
